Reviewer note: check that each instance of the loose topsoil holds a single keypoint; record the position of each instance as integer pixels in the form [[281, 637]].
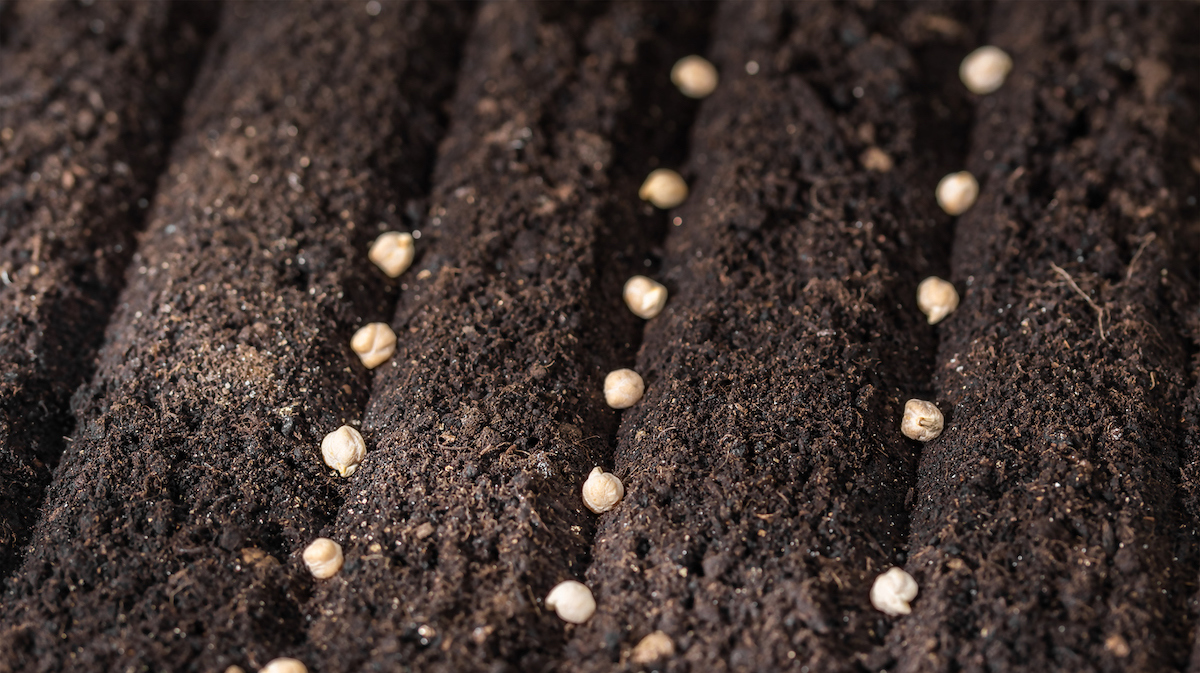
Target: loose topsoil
[[765, 474], [1052, 526], [83, 139], [169, 538], [1047, 533], [484, 425]]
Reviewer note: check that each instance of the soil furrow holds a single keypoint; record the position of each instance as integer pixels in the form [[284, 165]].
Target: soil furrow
[[485, 423], [82, 141], [174, 526], [1045, 531], [765, 473]]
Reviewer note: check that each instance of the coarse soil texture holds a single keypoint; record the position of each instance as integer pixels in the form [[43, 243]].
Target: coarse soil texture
[[483, 427], [1047, 530], [171, 535], [89, 101], [766, 477]]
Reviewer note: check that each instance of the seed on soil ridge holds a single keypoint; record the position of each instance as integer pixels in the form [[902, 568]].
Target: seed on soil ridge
[[892, 591], [602, 491], [344, 450], [623, 388], [936, 298], [392, 252], [652, 648], [284, 665], [923, 421], [572, 601], [645, 297], [957, 192], [985, 69], [323, 558], [374, 344], [694, 76], [664, 188]]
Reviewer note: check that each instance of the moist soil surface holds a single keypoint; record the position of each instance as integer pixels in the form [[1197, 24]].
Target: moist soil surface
[[155, 521]]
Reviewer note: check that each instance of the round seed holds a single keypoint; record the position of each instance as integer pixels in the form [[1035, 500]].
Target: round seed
[[393, 252], [664, 188], [957, 192], [936, 298], [323, 558], [623, 388], [892, 591], [374, 344], [284, 665], [602, 491], [645, 297], [922, 421], [695, 76], [572, 601], [985, 69], [653, 647], [344, 450]]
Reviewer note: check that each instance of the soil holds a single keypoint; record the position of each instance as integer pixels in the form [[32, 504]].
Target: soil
[[171, 536], [765, 474], [484, 425], [82, 142], [1047, 530], [156, 520]]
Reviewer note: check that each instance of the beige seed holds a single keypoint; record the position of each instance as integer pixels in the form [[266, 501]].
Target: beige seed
[[957, 192], [374, 343], [892, 592], [664, 188], [936, 298], [623, 388], [695, 76], [985, 69], [393, 252], [344, 450], [602, 491], [284, 665], [235, 669], [572, 602], [875, 159], [645, 297], [323, 558], [922, 421], [653, 647]]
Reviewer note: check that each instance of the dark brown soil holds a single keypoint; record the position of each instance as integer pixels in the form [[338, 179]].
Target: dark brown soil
[[171, 535], [1046, 529], [484, 425], [766, 477], [1052, 527], [82, 142]]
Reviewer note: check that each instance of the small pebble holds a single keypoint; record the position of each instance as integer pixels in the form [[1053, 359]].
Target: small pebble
[[957, 192], [985, 69], [284, 665], [572, 602], [374, 344], [653, 647], [623, 388], [695, 76], [602, 491], [344, 450], [645, 297], [892, 591], [922, 421], [664, 188], [323, 558], [393, 252], [936, 298]]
